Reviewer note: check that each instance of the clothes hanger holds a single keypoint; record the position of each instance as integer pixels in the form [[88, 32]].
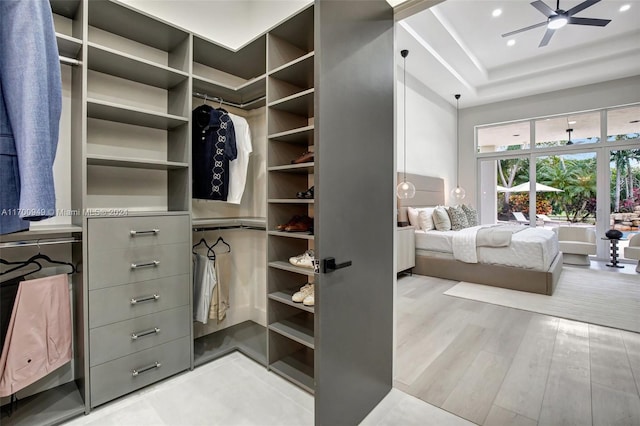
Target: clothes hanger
[[44, 257], [21, 264], [209, 248], [221, 240]]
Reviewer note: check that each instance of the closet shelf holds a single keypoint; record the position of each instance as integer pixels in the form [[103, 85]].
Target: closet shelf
[[289, 201], [51, 407], [298, 235], [284, 296], [286, 266], [247, 62], [298, 72], [293, 368], [251, 222], [301, 135], [41, 231], [66, 8], [298, 328], [243, 94], [132, 115], [299, 103], [110, 61], [68, 46], [105, 160], [304, 168]]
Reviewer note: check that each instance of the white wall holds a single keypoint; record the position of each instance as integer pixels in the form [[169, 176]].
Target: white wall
[[594, 96], [431, 132]]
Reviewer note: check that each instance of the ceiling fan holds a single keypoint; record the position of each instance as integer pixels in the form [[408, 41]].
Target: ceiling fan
[[559, 18]]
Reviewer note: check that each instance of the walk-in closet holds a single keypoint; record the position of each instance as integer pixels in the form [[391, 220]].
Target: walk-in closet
[[168, 276]]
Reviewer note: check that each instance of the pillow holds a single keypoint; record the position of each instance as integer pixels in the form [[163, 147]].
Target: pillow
[[441, 219], [425, 218], [412, 214], [458, 218], [472, 215]]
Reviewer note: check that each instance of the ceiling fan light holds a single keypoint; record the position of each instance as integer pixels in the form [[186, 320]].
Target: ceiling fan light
[[557, 22], [625, 7]]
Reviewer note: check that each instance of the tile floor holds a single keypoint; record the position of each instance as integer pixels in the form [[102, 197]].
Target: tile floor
[[235, 390]]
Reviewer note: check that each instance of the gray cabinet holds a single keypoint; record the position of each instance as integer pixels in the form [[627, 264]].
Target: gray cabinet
[[139, 311]]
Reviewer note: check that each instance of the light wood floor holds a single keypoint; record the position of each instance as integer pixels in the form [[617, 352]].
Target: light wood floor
[[500, 366]]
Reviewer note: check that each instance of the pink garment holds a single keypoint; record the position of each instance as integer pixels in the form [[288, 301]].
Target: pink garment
[[39, 336]]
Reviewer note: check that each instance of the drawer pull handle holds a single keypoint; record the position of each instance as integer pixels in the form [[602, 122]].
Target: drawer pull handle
[[154, 330], [135, 233], [153, 263], [137, 371], [152, 298]]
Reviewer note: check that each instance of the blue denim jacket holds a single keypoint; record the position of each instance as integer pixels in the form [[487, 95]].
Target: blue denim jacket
[[30, 106]]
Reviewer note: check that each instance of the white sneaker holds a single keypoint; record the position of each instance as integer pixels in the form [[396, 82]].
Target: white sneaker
[[304, 260], [309, 300], [301, 295]]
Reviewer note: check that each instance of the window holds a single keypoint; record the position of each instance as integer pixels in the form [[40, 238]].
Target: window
[[623, 124], [507, 137], [575, 129]]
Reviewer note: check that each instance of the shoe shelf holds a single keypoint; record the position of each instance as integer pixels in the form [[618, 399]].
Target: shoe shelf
[[111, 111], [286, 266], [301, 135], [120, 64], [104, 160], [298, 328], [298, 104], [294, 367], [284, 296], [68, 46], [299, 235], [302, 168]]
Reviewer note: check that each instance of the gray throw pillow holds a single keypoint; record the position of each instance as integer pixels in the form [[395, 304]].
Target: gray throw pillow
[[458, 218], [472, 214]]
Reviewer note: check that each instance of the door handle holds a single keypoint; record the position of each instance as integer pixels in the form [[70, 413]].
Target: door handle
[[329, 264]]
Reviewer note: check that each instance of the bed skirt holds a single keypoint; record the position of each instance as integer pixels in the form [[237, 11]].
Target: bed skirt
[[532, 281]]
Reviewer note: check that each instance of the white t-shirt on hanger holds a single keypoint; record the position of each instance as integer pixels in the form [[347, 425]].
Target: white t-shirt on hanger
[[238, 167]]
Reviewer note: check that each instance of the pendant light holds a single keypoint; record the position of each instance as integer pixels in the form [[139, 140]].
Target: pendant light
[[458, 193], [405, 189]]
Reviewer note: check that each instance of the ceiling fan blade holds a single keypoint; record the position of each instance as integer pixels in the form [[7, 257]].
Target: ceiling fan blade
[[582, 6], [543, 8], [524, 29], [547, 36], [589, 21]]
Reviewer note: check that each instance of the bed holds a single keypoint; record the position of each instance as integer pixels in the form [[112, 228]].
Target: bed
[[531, 262]]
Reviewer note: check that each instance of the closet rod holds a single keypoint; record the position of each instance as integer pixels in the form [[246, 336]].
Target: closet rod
[[233, 104], [69, 61], [42, 242]]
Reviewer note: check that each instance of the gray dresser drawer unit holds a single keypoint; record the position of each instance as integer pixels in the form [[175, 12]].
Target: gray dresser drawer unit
[[124, 232], [123, 375], [112, 304], [121, 266], [126, 337]]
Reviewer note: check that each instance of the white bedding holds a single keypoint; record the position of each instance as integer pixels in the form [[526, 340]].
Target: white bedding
[[532, 248]]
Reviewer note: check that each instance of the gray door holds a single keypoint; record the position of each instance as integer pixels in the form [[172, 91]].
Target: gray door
[[354, 208]]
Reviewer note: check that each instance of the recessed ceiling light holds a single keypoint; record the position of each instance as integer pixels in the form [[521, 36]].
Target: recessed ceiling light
[[623, 8], [498, 12], [515, 136], [511, 42], [572, 122], [634, 121]]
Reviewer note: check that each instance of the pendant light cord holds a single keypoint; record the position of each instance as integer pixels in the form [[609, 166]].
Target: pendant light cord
[[405, 117], [457, 141]]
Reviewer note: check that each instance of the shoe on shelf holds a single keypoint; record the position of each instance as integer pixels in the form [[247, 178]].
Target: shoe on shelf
[[293, 220], [309, 300], [303, 224], [306, 157], [305, 290], [304, 260], [306, 195]]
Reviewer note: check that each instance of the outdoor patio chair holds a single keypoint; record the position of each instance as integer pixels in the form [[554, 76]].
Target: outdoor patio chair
[[546, 220], [633, 250], [520, 218]]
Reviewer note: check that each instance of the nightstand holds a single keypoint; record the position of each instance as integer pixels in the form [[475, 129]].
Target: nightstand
[[406, 255]]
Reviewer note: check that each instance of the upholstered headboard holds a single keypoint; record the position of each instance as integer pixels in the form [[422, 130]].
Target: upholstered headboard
[[429, 192]]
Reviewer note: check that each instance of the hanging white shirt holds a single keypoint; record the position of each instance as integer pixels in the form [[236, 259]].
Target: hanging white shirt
[[238, 167]]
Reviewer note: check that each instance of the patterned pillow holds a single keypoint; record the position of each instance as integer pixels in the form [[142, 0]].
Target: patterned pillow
[[441, 219], [458, 218], [472, 215]]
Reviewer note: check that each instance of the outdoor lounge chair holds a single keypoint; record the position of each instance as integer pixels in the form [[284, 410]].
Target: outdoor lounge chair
[[520, 217]]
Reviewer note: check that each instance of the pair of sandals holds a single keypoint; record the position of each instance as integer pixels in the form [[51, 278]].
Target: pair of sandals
[[306, 195]]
